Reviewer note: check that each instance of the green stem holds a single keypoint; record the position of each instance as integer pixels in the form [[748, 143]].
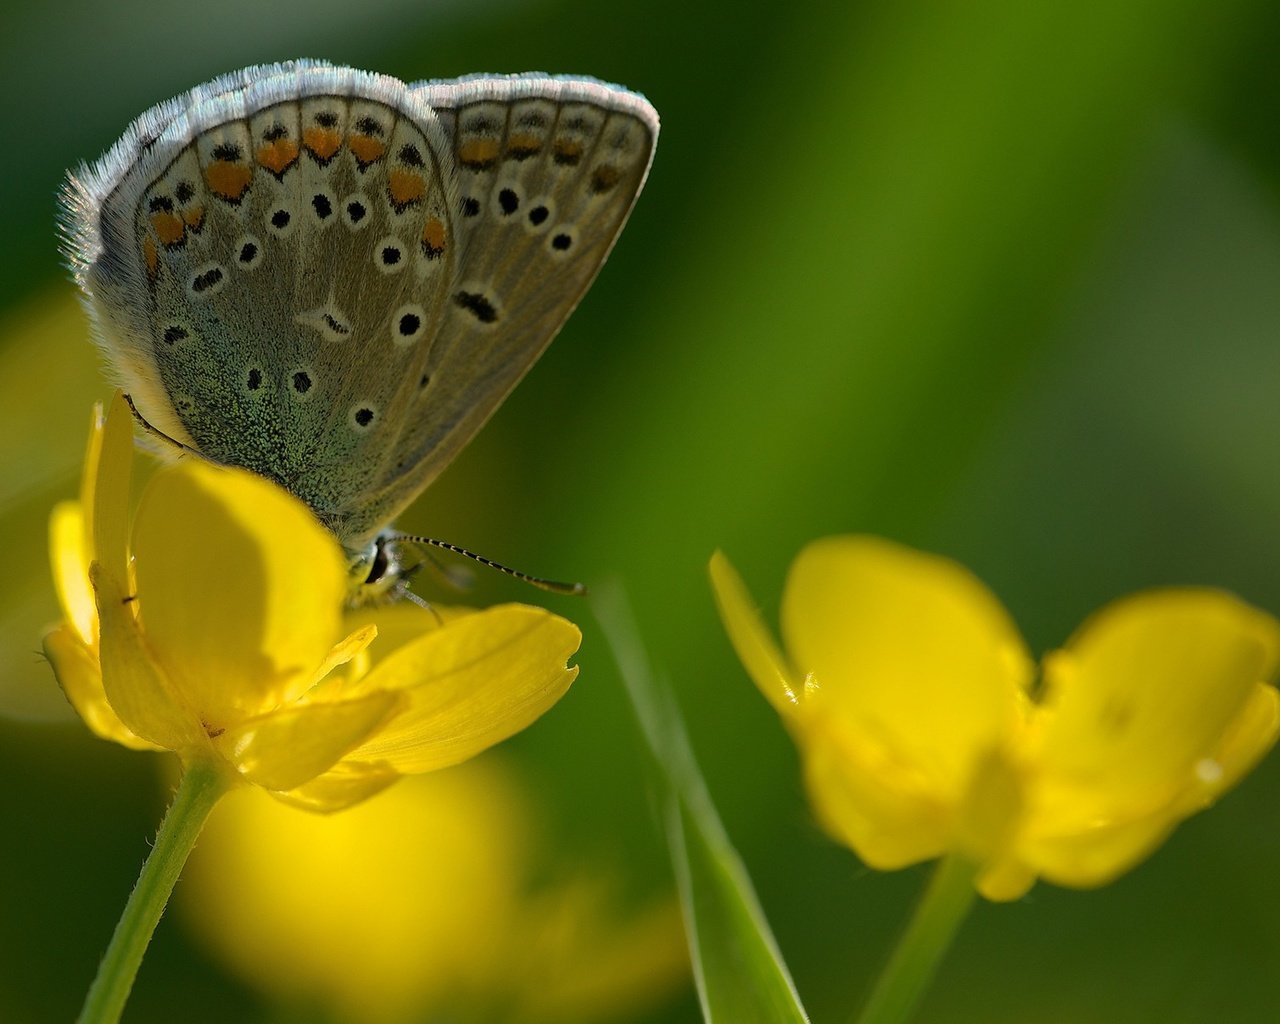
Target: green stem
[[201, 786], [905, 978]]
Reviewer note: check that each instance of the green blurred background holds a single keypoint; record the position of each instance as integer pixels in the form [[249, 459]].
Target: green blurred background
[[997, 279]]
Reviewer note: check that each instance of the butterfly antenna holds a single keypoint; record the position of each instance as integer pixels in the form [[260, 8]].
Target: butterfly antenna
[[554, 586]]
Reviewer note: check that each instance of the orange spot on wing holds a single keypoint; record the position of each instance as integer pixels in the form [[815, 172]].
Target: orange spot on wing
[[433, 237], [168, 227], [478, 154], [228, 179], [152, 257], [405, 187], [568, 151], [194, 217], [322, 142], [604, 178], [523, 145], [278, 156], [366, 148]]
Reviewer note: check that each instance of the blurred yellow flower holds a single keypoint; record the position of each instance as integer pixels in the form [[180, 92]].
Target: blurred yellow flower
[[213, 625], [924, 731], [421, 904], [41, 445]]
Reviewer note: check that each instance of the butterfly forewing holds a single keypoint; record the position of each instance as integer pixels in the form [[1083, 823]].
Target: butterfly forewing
[[288, 316], [333, 279]]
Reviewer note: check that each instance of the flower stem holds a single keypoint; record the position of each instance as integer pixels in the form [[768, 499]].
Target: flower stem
[[937, 918], [201, 786]]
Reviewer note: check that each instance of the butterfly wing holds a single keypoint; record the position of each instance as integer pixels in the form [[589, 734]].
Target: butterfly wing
[[548, 170], [112, 264], [333, 279], [267, 258]]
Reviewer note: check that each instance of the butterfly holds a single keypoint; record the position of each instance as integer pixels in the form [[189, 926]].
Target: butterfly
[[333, 278]]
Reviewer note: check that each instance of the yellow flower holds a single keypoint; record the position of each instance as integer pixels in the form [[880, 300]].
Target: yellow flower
[[41, 443], [923, 729], [213, 625], [442, 909]]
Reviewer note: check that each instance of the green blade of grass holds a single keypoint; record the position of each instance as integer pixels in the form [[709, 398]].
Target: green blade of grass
[[740, 974]]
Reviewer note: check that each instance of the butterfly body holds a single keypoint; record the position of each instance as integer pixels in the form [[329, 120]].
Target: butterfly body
[[333, 279]]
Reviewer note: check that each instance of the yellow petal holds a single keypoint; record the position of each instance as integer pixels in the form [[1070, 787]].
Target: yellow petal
[[396, 625], [910, 648], [343, 786], [109, 520], [343, 652], [890, 812], [70, 559], [471, 683], [1147, 690], [1105, 848], [78, 673], [135, 685], [89, 473], [289, 747], [1007, 879], [867, 797], [1090, 857], [71, 541], [1243, 745], [240, 589], [380, 913], [750, 638]]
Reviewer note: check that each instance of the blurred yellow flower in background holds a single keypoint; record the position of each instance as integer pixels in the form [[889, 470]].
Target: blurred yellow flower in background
[[421, 904], [212, 624], [924, 729], [41, 445]]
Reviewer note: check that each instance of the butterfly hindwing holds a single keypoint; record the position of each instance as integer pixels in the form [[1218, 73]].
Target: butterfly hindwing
[[548, 170]]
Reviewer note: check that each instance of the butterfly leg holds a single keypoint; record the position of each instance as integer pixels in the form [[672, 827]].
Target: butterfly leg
[[156, 432]]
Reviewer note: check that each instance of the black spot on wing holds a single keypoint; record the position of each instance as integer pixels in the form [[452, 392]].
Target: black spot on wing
[[477, 305]]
